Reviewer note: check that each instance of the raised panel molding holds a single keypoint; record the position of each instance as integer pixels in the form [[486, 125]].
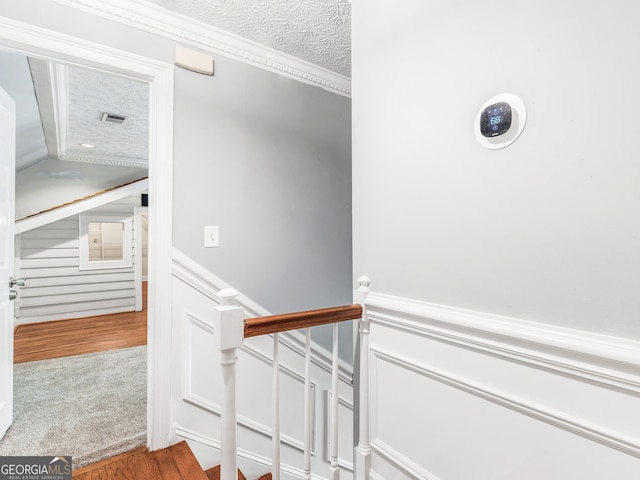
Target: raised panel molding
[[195, 403], [561, 386], [210, 285], [288, 470], [399, 461], [610, 361], [374, 476], [592, 432], [192, 322], [157, 21]]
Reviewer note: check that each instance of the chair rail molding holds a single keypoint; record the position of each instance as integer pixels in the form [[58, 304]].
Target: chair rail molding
[[190, 32], [495, 378], [504, 385], [608, 360]]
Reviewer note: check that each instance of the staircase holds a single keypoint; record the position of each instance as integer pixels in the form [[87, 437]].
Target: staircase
[[174, 463], [178, 462]]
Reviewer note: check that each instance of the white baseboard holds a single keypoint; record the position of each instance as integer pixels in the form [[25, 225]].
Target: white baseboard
[[70, 316], [258, 462]]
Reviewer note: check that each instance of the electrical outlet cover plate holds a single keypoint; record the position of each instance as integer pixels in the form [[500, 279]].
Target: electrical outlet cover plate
[[211, 236]]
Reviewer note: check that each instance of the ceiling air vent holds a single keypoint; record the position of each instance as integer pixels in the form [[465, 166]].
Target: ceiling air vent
[[113, 118]]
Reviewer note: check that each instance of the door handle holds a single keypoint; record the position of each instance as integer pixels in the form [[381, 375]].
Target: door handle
[[21, 282], [13, 294]]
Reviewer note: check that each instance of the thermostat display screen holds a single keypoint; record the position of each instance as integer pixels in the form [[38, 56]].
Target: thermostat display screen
[[495, 119]]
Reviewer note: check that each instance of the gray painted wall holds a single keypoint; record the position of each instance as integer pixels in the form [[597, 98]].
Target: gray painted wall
[[267, 159], [264, 157], [544, 230]]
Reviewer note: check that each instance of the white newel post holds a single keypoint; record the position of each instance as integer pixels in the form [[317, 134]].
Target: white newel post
[[362, 452], [228, 325]]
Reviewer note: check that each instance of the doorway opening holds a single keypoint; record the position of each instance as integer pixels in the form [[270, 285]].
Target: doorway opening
[[29, 40]]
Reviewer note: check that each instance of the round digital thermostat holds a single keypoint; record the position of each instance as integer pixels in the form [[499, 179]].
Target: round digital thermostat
[[500, 121]]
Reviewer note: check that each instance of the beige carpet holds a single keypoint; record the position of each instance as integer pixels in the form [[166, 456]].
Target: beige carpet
[[88, 406]]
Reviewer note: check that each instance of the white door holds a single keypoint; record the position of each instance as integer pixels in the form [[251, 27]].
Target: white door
[[7, 212]]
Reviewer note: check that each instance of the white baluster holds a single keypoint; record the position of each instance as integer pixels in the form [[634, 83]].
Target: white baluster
[[362, 453], [228, 324], [275, 474], [334, 470], [307, 407]]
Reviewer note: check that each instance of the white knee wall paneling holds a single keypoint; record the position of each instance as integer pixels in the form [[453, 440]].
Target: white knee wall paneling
[[195, 400]]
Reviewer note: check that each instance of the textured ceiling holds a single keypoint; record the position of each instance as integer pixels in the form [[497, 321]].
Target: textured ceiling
[[72, 103], [90, 94], [317, 31], [57, 108]]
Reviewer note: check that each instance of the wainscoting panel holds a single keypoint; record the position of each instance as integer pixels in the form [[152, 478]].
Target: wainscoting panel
[[196, 377], [450, 398], [254, 374]]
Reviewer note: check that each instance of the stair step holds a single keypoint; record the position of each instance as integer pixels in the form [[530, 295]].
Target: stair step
[[214, 474], [174, 463]]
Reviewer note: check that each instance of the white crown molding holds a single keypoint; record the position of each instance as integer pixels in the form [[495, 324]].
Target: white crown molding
[[600, 358], [161, 22], [105, 160]]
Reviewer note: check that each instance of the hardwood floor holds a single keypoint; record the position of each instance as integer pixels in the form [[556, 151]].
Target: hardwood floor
[[174, 463], [63, 338]]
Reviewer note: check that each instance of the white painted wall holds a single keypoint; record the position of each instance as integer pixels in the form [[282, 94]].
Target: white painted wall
[[543, 230], [505, 282]]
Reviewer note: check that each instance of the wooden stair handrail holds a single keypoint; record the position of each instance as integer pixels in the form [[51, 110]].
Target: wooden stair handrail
[[257, 326]]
